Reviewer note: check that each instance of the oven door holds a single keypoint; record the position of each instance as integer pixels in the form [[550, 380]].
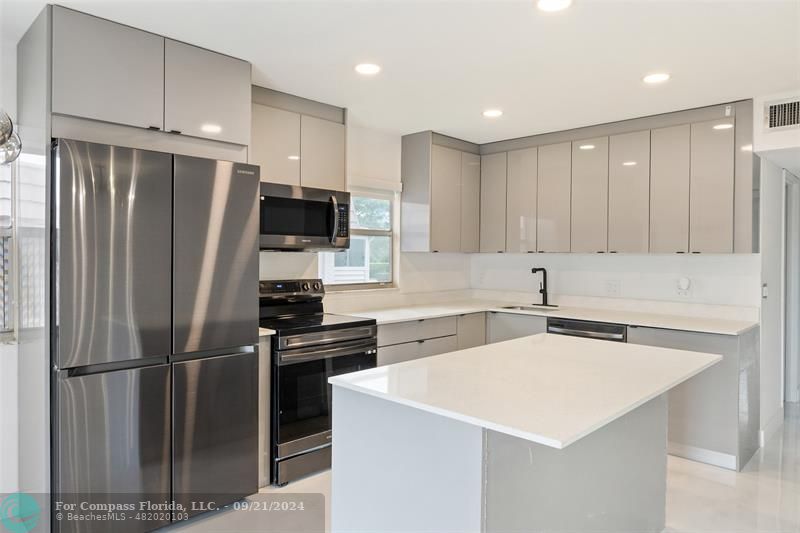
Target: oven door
[[303, 218], [302, 419]]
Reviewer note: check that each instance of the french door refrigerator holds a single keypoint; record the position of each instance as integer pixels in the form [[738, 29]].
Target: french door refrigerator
[[154, 276]]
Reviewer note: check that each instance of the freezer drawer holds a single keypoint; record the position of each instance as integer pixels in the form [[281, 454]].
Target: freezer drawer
[[113, 443], [113, 253], [215, 431], [215, 275]]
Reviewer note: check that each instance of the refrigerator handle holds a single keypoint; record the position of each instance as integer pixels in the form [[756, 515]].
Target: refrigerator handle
[[335, 229]]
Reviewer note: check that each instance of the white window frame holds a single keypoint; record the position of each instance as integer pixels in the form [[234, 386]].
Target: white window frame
[[326, 261]]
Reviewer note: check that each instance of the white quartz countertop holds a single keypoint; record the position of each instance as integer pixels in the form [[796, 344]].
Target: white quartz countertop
[[265, 332], [549, 389], [630, 318]]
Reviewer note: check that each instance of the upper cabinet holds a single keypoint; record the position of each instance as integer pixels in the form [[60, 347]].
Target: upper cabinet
[[521, 200], [275, 144], [590, 195], [554, 191], [120, 75], [669, 189], [206, 94], [493, 202], [445, 199], [322, 153], [112, 72], [470, 202], [629, 192], [442, 196], [711, 191]]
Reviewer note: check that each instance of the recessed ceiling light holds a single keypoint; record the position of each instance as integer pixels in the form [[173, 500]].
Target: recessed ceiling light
[[586, 147], [211, 128], [493, 113], [553, 5], [629, 163], [368, 69], [723, 126], [656, 77], [294, 157]]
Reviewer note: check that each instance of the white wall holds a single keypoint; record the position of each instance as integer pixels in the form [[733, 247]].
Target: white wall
[[715, 279], [781, 146], [772, 244]]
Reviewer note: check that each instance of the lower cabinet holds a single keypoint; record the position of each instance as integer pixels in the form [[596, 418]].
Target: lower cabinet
[[471, 330], [505, 326], [407, 351], [714, 416]]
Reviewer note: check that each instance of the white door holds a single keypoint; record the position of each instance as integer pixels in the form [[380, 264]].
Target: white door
[[275, 144], [521, 200], [590, 195], [322, 146], [445, 199], [493, 202], [629, 192], [553, 198]]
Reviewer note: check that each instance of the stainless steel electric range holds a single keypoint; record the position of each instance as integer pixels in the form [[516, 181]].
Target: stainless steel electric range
[[309, 347]]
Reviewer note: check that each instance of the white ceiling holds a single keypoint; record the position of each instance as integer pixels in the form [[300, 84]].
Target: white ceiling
[[445, 61]]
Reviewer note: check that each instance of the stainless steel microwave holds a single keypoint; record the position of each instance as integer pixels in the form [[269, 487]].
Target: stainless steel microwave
[[303, 218]]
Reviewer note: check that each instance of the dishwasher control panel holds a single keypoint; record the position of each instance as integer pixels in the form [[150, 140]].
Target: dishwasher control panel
[[587, 329]]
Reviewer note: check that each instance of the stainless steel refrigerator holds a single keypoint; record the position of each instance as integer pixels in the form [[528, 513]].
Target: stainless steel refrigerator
[[154, 272]]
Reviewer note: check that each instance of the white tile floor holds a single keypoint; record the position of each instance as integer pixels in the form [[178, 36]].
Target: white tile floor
[[763, 498]]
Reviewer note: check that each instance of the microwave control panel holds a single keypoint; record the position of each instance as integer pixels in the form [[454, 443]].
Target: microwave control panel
[[344, 221]]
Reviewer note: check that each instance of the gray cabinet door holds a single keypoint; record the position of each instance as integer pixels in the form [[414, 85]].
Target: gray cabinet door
[[590, 195], [445, 199], [521, 200], [215, 431], [471, 330], [438, 346], [215, 255], [275, 144], [397, 353], [112, 444], [629, 192], [553, 203], [114, 253], [206, 94], [470, 202], [505, 326], [322, 146], [493, 202], [669, 190], [711, 191], [107, 71]]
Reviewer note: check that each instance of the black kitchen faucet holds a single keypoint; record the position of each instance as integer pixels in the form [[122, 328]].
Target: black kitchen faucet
[[542, 284]]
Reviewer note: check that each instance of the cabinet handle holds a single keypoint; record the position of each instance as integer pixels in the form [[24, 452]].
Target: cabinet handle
[[153, 128], [176, 132], [600, 252], [695, 252], [612, 251], [680, 252]]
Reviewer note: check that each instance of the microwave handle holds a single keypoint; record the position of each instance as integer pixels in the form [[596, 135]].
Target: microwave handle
[[335, 231]]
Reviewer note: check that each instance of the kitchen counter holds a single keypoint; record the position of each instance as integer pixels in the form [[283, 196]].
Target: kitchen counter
[[630, 318], [265, 332], [568, 386], [539, 433]]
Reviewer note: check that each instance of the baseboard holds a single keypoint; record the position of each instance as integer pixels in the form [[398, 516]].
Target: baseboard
[[702, 455], [771, 427]]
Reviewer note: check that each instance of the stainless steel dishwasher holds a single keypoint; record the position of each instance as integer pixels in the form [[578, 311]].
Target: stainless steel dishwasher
[[588, 329]]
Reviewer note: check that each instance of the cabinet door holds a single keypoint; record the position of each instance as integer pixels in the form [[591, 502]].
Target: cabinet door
[[590, 195], [711, 190], [445, 199], [471, 330], [397, 353], [553, 202], [275, 144], [470, 202], [322, 153], [669, 190], [437, 346], [521, 200], [206, 94], [505, 326], [629, 192], [107, 71], [493, 202]]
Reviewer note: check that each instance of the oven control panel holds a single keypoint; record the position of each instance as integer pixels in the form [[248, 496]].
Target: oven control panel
[[283, 288], [344, 223]]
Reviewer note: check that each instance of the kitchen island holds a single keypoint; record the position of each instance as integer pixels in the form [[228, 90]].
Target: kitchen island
[[538, 433]]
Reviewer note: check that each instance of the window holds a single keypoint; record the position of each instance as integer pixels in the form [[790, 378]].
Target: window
[[6, 241], [368, 261]]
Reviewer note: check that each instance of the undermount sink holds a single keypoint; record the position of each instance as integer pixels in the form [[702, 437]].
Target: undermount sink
[[531, 307]]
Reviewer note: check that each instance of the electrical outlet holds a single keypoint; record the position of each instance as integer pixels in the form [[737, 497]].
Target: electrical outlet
[[613, 287]]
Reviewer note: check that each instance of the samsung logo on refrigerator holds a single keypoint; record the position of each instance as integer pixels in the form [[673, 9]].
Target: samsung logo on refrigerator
[[248, 172]]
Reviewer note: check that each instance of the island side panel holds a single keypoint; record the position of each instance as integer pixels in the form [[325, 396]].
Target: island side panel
[[397, 468], [614, 479]]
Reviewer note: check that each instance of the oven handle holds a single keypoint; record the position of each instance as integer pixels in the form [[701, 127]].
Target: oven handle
[[315, 353], [335, 231], [584, 333]]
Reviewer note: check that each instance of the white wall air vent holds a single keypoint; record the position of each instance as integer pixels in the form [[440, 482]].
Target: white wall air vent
[[780, 114]]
